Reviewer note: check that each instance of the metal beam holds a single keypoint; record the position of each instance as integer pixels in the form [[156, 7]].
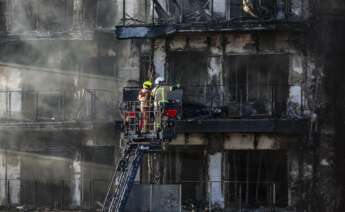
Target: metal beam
[[155, 31], [281, 126]]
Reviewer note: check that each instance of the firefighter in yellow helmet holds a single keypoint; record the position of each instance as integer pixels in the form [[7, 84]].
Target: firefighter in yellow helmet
[[160, 95], [144, 98]]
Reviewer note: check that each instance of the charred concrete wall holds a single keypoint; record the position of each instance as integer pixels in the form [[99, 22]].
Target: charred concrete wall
[[214, 76], [328, 46], [199, 60]]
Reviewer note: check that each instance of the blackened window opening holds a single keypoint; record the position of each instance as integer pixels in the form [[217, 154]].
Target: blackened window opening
[[189, 69], [188, 168], [255, 178], [3, 16], [256, 85]]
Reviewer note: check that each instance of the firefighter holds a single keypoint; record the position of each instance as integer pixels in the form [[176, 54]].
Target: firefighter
[[144, 98], [160, 97]]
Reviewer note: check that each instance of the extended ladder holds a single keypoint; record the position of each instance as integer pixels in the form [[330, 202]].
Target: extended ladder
[[123, 179]]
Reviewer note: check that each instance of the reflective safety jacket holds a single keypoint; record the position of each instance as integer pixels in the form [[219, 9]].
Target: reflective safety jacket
[[160, 94]]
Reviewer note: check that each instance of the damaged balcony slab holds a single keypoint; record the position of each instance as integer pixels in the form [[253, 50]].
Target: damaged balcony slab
[[55, 126], [142, 31], [282, 126], [33, 35], [160, 30]]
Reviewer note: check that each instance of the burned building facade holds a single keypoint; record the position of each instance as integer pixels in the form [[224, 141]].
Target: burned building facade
[[250, 136]]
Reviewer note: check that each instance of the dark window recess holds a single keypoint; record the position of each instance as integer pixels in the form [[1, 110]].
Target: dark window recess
[[55, 15], [193, 78], [261, 9], [42, 15], [100, 66], [99, 155], [252, 86], [205, 11], [3, 15], [49, 107], [145, 64], [53, 193], [20, 52], [41, 185], [255, 178], [106, 13], [25, 18], [188, 168], [256, 85], [90, 13], [196, 10]]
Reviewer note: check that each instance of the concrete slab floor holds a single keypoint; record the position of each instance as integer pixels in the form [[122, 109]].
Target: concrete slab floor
[[45, 210]]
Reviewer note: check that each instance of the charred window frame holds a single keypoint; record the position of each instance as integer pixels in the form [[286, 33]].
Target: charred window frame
[[190, 169], [258, 84], [90, 13], [188, 75], [24, 15], [41, 15], [4, 15], [55, 15], [207, 11], [145, 64], [106, 14], [255, 179], [101, 65], [192, 76]]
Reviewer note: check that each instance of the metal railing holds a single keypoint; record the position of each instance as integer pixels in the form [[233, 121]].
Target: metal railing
[[135, 120], [194, 195], [240, 101], [85, 15], [59, 105], [208, 11], [57, 194], [230, 195], [236, 101]]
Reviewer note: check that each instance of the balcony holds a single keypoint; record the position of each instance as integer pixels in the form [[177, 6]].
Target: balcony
[[60, 109], [157, 17], [58, 19], [240, 108]]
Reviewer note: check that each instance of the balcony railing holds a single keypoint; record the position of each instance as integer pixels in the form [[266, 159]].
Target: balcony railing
[[235, 101], [211, 195], [60, 105], [210, 11], [55, 193], [53, 17], [240, 101]]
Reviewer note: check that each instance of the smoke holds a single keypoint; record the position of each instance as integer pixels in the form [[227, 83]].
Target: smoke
[[58, 35], [58, 55]]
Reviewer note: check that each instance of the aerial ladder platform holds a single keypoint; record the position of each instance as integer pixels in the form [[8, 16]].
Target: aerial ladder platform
[[138, 143]]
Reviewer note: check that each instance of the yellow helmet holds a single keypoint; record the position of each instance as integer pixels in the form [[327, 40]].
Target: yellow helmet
[[147, 84]]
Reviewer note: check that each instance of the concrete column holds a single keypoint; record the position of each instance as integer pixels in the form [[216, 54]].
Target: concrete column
[[9, 178], [77, 15], [3, 176], [215, 78], [215, 177], [76, 180], [293, 175], [295, 91], [160, 58], [281, 11]]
